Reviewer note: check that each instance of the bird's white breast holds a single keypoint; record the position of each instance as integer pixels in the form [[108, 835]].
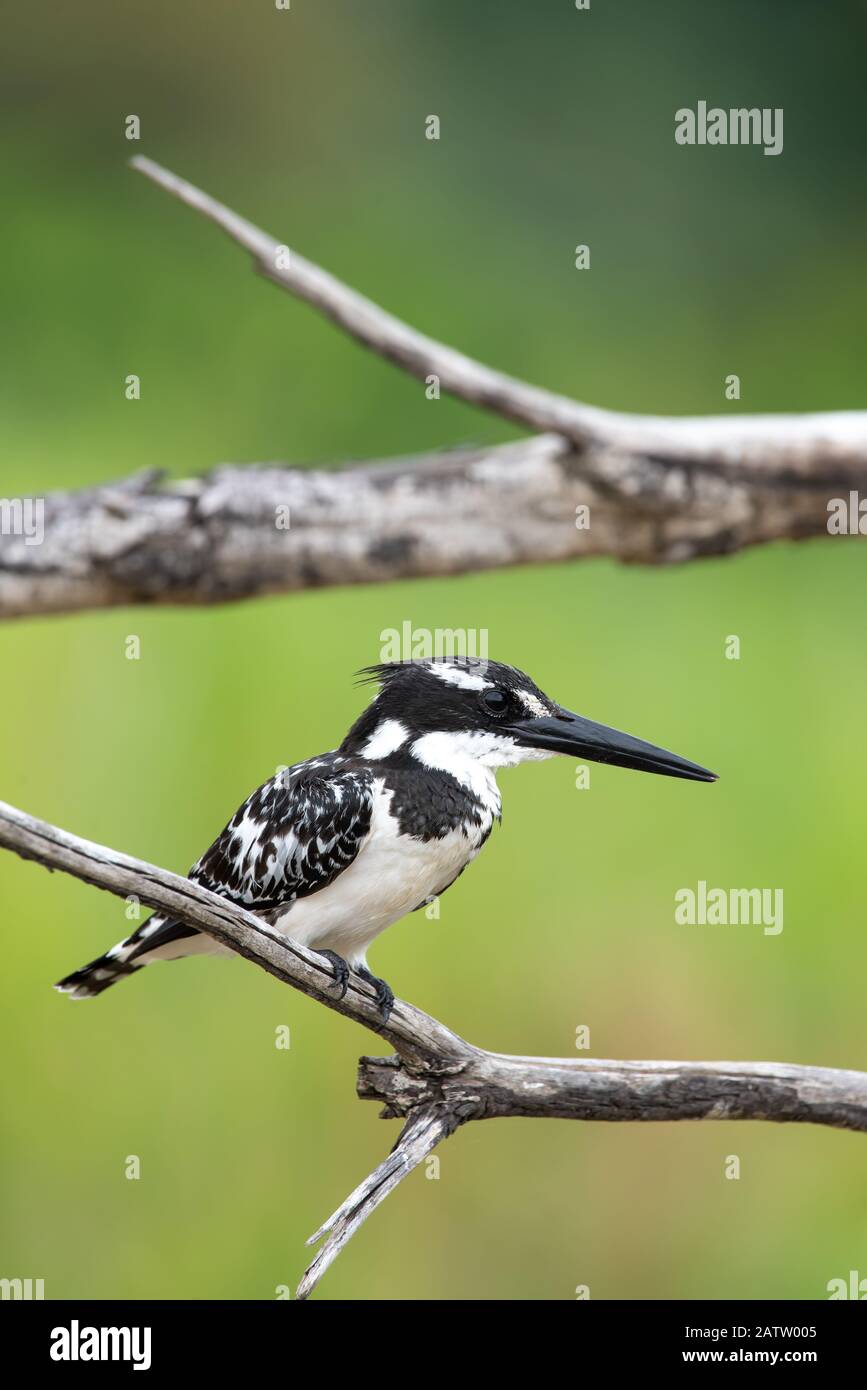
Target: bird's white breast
[[391, 875]]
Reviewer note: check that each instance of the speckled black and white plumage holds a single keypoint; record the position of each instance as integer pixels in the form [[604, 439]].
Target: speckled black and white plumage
[[293, 835], [336, 848]]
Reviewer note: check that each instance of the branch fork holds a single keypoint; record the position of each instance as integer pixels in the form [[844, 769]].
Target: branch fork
[[658, 490], [435, 1081]]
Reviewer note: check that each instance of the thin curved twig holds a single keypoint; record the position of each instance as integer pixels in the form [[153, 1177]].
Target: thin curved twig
[[759, 443]]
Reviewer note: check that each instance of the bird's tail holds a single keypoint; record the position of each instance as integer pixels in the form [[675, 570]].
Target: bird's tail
[[159, 938], [92, 979]]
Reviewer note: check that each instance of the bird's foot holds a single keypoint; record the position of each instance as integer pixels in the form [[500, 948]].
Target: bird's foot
[[384, 992], [341, 971]]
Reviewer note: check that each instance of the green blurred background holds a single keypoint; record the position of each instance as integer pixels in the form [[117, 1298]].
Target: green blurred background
[[557, 128]]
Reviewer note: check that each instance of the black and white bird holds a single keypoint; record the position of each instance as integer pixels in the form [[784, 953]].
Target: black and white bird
[[333, 850]]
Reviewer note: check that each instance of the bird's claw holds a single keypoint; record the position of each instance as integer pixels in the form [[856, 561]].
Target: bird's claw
[[340, 969], [384, 993]]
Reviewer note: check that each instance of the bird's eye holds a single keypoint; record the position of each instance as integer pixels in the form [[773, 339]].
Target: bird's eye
[[495, 701]]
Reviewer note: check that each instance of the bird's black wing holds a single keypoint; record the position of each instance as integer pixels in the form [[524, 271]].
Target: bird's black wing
[[291, 837]]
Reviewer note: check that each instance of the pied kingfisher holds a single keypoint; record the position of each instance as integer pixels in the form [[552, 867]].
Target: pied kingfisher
[[335, 849]]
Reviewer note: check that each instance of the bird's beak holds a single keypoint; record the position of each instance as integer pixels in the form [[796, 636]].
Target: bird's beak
[[564, 732]]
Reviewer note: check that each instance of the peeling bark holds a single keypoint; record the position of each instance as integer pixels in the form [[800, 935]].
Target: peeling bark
[[220, 537]]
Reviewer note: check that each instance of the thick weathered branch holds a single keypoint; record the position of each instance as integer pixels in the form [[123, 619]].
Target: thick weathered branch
[[224, 536], [436, 1080]]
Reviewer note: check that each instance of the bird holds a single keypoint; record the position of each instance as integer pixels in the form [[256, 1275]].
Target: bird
[[333, 850]]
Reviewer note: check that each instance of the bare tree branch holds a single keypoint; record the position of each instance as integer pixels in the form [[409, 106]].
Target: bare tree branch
[[799, 444], [426, 1127], [223, 536], [656, 490], [437, 1081]]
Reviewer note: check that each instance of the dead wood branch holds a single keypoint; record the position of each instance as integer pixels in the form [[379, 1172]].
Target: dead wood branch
[[435, 1080], [650, 489], [798, 444]]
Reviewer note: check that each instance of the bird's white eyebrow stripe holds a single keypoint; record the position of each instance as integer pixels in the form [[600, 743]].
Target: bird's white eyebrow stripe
[[531, 702], [456, 675], [386, 738]]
